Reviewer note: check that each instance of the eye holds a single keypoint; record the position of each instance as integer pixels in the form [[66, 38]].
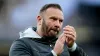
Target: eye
[[61, 20]]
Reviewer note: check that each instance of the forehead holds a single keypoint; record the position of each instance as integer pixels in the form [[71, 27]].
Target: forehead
[[54, 12]]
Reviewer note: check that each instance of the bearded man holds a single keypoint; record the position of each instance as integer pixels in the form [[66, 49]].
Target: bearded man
[[44, 40]]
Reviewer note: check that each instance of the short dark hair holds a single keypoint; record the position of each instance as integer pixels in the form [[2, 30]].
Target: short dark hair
[[46, 6]]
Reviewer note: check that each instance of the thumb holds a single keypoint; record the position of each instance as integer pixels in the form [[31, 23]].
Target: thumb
[[67, 40]]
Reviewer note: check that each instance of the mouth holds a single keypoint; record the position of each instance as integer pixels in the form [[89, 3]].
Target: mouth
[[54, 31]]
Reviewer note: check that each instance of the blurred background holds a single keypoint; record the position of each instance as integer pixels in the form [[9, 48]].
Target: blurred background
[[84, 15]]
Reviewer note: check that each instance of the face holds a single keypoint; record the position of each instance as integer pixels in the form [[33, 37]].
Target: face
[[52, 21]]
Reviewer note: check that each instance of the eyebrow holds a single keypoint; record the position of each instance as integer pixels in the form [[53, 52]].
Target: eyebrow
[[56, 18], [53, 17]]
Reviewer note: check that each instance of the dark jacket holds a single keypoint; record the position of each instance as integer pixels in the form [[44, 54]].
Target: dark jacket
[[31, 44]]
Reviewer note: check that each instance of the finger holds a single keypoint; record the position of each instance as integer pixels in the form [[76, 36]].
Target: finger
[[70, 37], [70, 41], [67, 40], [70, 33], [69, 28], [62, 38]]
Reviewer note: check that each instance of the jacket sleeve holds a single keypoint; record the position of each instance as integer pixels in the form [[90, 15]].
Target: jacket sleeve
[[78, 52], [18, 48]]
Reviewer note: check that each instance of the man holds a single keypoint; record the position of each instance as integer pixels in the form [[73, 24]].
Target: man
[[44, 40]]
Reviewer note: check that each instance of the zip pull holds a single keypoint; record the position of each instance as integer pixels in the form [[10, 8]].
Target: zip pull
[[50, 45]]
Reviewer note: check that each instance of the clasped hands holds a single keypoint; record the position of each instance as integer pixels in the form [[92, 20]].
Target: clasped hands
[[68, 36]]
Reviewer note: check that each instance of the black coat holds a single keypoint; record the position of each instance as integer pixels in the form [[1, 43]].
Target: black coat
[[38, 47]]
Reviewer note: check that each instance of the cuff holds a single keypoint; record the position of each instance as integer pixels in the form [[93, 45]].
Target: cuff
[[54, 54], [73, 48]]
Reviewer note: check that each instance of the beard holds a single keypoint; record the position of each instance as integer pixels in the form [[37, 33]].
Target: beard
[[49, 32]]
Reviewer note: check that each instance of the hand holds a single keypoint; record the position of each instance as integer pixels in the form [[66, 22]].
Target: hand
[[70, 33], [58, 48]]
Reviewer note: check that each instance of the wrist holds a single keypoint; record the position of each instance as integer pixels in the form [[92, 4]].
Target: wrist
[[73, 48], [54, 53], [70, 44]]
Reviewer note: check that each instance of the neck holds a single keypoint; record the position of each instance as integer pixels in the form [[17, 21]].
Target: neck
[[38, 31]]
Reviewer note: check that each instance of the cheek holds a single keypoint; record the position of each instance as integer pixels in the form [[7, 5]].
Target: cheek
[[61, 26], [49, 24]]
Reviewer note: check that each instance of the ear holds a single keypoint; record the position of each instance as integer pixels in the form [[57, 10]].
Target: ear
[[39, 19]]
